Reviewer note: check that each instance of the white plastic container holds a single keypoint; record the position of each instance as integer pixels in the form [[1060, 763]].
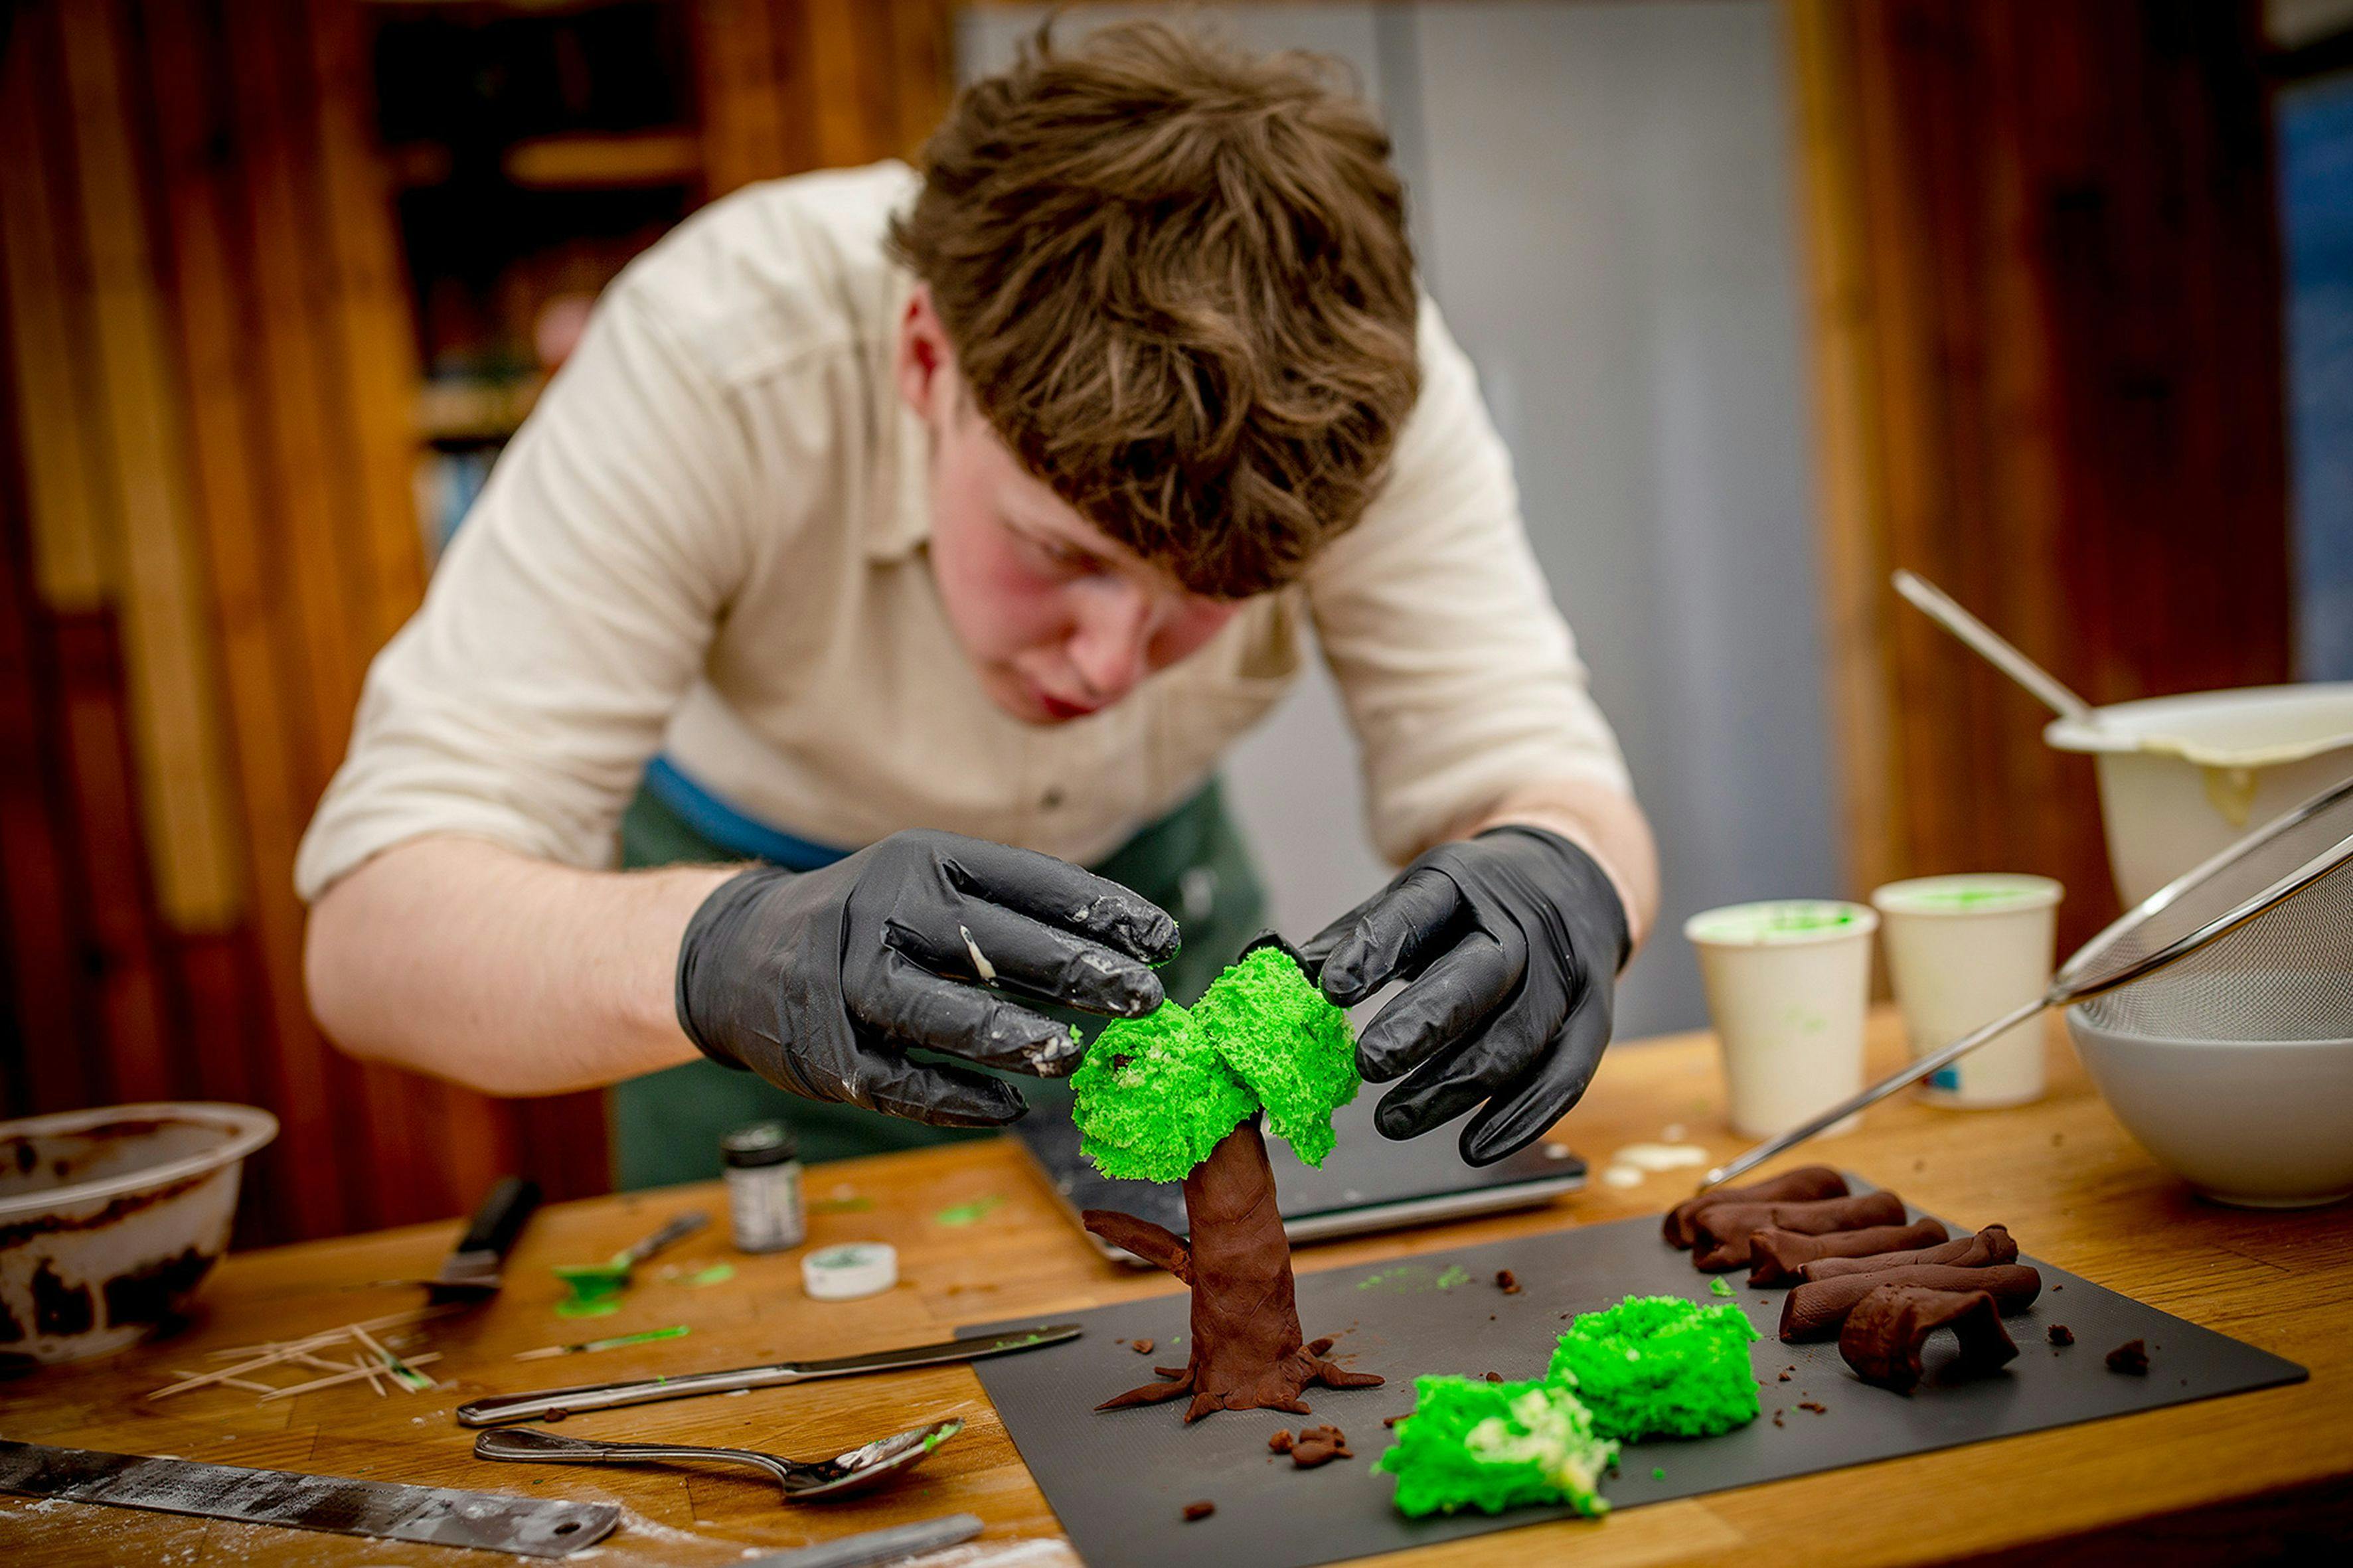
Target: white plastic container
[[1788, 984], [1962, 950], [2182, 778]]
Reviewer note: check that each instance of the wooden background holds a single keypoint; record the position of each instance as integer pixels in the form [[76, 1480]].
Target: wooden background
[[2046, 302], [2046, 297], [207, 528]]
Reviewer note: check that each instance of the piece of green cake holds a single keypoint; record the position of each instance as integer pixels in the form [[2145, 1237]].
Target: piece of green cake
[[1660, 1366], [1155, 1093], [1293, 1048], [1151, 1103], [1496, 1445]]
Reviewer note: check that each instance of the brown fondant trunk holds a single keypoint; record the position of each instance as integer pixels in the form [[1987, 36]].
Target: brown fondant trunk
[[1246, 1350]]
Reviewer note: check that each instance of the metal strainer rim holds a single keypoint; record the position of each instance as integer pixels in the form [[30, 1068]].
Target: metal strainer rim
[[2069, 984]]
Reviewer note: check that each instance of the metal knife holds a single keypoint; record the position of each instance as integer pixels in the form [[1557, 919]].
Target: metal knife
[[873, 1546], [471, 1272], [557, 1403], [437, 1516]]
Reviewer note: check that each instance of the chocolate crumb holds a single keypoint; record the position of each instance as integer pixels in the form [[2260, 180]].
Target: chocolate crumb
[[1279, 1442], [2131, 1358], [1319, 1446], [1494, 1377], [2061, 1334], [1140, 1347], [1508, 1282], [1815, 1405], [1393, 1420], [1491, 1317], [1783, 1378], [1777, 1418], [1196, 1512]]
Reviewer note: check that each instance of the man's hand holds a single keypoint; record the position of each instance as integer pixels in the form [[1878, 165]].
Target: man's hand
[[1511, 943], [820, 981]]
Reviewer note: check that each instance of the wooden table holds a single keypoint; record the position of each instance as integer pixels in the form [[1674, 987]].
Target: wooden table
[[2222, 1480]]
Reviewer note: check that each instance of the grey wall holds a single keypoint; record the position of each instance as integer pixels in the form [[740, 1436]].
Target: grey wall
[[1604, 206]]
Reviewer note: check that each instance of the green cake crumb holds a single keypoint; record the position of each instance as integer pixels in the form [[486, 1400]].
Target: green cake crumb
[[1658, 1472], [1660, 1366], [1496, 1445], [1155, 1093], [1719, 1286]]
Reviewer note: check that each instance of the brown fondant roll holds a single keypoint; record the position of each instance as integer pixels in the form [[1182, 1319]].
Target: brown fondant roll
[[1992, 1245], [1882, 1337], [1775, 1254], [1803, 1184], [1720, 1234], [1815, 1311]]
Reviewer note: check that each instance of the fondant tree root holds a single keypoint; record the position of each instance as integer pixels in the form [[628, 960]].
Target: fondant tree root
[[1247, 1351]]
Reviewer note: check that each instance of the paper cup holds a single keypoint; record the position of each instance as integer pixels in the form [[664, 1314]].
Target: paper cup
[[1963, 951], [1788, 984]]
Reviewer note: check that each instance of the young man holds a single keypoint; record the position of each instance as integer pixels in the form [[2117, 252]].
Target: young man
[[924, 539]]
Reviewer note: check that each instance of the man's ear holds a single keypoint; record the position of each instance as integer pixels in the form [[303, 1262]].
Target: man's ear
[[924, 362]]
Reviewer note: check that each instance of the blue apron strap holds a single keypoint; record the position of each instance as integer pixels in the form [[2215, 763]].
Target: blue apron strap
[[730, 828]]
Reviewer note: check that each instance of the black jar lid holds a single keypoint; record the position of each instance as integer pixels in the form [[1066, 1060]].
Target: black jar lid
[[761, 1143]]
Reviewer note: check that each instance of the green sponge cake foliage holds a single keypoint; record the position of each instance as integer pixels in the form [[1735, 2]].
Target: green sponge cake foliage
[[1157, 1093], [1151, 1105], [1660, 1366], [1496, 1445], [1280, 1036]]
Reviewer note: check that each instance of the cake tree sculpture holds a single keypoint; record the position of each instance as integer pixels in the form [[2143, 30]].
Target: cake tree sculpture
[[1178, 1096]]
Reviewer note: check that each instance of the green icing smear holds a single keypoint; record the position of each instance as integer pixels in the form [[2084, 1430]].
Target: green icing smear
[[1455, 1275], [1660, 1366], [972, 1213], [1966, 896], [1157, 1093], [1496, 1445], [1774, 921], [1396, 1281], [717, 1274]]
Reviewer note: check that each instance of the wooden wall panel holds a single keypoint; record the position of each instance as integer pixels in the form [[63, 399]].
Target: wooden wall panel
[[207, 528], [791, 85], [2046, 297]]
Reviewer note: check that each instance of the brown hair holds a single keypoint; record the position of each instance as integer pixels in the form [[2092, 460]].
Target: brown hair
[[1178, 285]]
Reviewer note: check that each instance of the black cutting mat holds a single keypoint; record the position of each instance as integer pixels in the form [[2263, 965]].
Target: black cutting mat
[[1119, 1480]]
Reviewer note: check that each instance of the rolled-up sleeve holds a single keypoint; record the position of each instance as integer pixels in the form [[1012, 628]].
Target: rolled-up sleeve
[[573, 610], [1460, 675]]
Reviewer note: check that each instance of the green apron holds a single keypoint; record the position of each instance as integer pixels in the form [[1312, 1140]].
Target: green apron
[[667, 1125]]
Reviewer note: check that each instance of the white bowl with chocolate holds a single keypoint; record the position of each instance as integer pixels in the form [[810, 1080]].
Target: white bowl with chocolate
[[2255, 1124], [112, 1218]]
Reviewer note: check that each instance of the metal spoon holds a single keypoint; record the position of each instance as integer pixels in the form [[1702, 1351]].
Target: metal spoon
[[1997, 650], [802, 1482]]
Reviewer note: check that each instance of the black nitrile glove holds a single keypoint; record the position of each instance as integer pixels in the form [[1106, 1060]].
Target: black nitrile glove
[[820, 981], [1510, 944]]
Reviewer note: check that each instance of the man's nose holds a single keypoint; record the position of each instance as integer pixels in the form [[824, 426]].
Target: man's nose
[[1108, 645]]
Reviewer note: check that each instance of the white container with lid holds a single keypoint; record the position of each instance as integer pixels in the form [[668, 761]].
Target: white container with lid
[[1789, 984], [1964, 950]]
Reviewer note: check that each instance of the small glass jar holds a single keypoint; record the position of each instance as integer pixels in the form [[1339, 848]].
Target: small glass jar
[[764, 1187]]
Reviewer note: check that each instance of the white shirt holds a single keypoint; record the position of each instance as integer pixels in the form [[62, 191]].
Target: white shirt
[[709, 540]]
